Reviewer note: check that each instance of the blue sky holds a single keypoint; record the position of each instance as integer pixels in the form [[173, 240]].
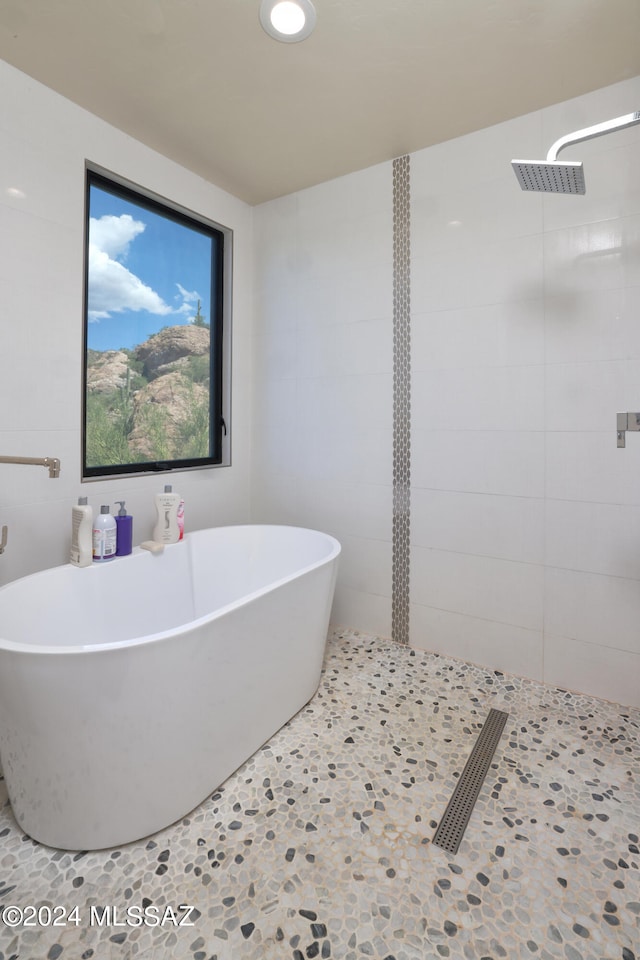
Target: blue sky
[[145, 272]]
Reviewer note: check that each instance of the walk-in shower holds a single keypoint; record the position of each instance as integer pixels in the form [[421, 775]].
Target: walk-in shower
[[555, 176]]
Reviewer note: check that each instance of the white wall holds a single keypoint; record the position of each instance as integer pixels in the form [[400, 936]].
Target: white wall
[[526, 321], [45, 141], [525, 516], [323, 370]]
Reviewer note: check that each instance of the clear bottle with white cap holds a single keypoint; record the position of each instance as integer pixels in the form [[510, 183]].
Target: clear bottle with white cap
[[104, 536]]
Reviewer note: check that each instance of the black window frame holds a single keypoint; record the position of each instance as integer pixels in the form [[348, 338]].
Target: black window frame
[[221, 238]]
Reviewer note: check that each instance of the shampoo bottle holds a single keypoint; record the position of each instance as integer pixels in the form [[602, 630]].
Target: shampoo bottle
[[81, 537], [167, 529], [124, 525], [104, 536]]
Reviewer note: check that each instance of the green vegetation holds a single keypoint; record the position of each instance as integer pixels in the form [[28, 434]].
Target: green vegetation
[[123, 426], [198, 320], [194, 431], [198, 370], [154, 423], [105, 435]]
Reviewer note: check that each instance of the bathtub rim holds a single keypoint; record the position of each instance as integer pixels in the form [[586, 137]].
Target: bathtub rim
[[11, 646]]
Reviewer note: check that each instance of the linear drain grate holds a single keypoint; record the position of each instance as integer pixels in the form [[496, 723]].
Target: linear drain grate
[[460, 807]]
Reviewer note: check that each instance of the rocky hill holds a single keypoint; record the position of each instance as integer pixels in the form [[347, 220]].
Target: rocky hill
[[150, 403], [171, 349]]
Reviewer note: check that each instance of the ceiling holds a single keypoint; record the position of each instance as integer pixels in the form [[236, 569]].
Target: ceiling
[[199, 80]]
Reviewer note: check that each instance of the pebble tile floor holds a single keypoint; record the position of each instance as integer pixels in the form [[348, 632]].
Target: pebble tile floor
[[321, 844]]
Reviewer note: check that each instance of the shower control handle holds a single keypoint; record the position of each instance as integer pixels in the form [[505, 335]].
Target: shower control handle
[[627, 421]]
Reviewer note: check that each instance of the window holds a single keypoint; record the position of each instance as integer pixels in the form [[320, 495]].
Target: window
[[156, 318]]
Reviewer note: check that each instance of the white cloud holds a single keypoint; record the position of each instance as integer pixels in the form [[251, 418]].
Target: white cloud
[[112, 287], [188, 296], [189, 301], [113, 235]]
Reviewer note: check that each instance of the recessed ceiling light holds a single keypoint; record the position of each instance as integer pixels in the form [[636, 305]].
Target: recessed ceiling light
[[288, 20]]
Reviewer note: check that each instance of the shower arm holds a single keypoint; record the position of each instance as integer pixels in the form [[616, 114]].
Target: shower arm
[[588, 133]]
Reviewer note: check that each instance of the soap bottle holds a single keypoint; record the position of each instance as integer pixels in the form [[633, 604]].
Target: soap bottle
[[124, 530], [167, 529], [104, 536], [81, 553]]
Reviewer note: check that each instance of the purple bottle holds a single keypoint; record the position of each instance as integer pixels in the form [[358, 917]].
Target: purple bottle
[[124, 530]]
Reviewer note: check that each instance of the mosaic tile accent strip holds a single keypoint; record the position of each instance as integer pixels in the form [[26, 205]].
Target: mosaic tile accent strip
[[401, 540], [320, 845]]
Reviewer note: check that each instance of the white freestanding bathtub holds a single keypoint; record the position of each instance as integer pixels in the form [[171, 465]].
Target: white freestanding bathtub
[[130, 690]]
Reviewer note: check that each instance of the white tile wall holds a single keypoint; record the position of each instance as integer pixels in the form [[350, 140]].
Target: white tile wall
[[499, 646], [500, 271], [491, 335], [480, 398], [501, 527], [45, 142], [507, 462], [599, 610], [527, 340], [525, 345], [475, 159], [594, 537], [323, 378], [585, 396], [490, 589], [589, 466], [591, 257], [592, 668], [598, 327]]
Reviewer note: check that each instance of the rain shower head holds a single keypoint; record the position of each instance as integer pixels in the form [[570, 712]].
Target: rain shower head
[[555, 176], [548, 177]]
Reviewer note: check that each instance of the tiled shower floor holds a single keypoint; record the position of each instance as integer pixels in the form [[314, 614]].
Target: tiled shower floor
[[320, 845]]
